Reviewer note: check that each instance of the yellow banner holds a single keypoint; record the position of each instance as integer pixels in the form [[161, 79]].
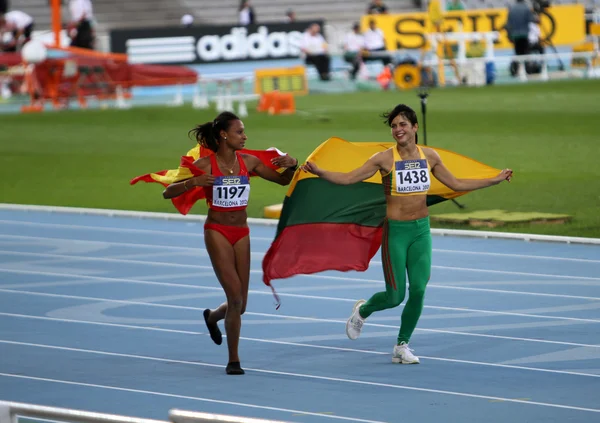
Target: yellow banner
[[563, 25]]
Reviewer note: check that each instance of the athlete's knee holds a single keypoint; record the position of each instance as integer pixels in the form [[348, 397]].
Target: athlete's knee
[[243, 310], [395, 300], [236, 304], [417, 291]]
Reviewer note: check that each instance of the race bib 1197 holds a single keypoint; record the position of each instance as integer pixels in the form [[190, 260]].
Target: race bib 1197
[[231, 191]]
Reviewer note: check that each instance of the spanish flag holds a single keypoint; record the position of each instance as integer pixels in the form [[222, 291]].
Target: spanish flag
[[187, 169], [324, 226]]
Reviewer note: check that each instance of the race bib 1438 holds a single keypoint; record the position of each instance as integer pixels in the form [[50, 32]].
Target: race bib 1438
[[412, 176]]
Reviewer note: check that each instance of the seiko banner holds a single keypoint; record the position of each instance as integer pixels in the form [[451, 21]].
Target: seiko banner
[[210, 44]]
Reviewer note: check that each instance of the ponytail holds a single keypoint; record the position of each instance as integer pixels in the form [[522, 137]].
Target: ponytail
[[208, 134]]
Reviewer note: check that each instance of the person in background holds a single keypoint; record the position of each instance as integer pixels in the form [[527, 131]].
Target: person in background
[[376, 7], [3, 10], [20, 24], [314, 49], [354, 45], [81, 28], [534, 37], [455, 5], [187, 20], [290, 16], [375, 43], [517, 26], [247, 15]]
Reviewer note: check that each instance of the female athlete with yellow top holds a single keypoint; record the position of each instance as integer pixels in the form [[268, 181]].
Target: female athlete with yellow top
[[406, 245]]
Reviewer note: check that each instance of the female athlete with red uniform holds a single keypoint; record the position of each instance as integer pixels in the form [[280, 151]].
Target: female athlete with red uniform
[[226, 183]]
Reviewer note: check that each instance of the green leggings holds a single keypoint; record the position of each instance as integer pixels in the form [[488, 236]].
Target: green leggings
[[406, 247]]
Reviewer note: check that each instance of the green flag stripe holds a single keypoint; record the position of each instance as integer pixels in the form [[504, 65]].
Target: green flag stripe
[[362, 203]]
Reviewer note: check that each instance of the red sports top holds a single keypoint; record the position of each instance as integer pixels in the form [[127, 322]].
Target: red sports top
[[229, 192]]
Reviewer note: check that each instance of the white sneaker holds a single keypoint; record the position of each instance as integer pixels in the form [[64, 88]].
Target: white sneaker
[[355, 321], [403, 355]]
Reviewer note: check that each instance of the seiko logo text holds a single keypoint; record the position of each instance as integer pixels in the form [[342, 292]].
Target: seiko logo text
[[232, 181], [414, 165]]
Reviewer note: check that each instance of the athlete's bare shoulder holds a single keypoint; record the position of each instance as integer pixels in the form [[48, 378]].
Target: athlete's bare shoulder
[[385, 159], [250, 160], [431, 155], [203, 163], [386, 154], [247, 156]]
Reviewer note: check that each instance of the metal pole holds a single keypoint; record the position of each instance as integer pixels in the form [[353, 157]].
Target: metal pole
[[423, 94]]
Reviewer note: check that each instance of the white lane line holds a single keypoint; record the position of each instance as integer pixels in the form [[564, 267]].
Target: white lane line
[[312, 276], [305, 296], [306, 319], [259, 256], [87, 322], [519, 256], [504, 291], [170, 234], [300, 344], [200, 235], [164, 394], [309, 376]]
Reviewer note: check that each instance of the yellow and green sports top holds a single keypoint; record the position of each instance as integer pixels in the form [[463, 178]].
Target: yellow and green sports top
[[407, 177]]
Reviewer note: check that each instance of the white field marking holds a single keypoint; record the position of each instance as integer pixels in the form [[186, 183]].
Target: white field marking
[[298, 344], [521, 256], [503, 291], [195, 219], [186, 397], [367, 284], [268, 239], [306, 319], [192, 275], [286, 294], [283, 294], [274, 222], [508, 255], [312, 276], [47, 284], [259, 256], [87, 322], [200, 235], [173, 234], [143, 255], [522, 282], [308, 376], [170, 248], [96, 312], [505, 272]]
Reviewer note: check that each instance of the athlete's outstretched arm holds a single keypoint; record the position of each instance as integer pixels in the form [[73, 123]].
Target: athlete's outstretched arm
[[446, 177], [359, 174], [255, 165]]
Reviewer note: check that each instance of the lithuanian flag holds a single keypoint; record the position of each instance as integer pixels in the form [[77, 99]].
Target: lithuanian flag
[[324, 226], [186, 170]]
